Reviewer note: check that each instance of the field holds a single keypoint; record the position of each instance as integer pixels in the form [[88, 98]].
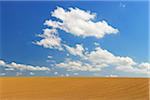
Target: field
[[79, 88]]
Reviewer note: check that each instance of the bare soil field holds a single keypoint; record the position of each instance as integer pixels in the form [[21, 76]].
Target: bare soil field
[[73, 88]]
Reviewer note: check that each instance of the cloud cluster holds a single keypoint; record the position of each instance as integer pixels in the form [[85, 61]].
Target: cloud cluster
[[74, 21], [80, 23], [50, 39], [143, 68], [105, 58], [23, 67], [78, 50], [77, 66], [100, 58]]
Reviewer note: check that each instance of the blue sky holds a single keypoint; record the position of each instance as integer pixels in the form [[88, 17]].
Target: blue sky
[[21, 22]]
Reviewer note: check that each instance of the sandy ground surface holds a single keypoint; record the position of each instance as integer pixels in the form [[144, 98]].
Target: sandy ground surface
[[45, 88]]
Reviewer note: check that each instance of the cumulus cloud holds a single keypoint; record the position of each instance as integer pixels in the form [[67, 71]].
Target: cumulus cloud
[[50, 57], [80, 23], [113, 76], [23, 66], [67, 75], [50, 39], [77, 66], [31, 73], [2, 74], [78, 50], [75, 74], [126, 64], [2, 63], [18, 74], [9, 69], [55, 73], [101, 58], [142, 68], [96, 44], [104, 57]]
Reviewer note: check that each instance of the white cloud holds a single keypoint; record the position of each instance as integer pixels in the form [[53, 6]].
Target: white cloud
[[94, 60], [50, 57], [23, 66], [77, 50], [143, 68], [67, 54], [122, 5], [18, 74], [77, 66], [67, 75], [100, 58], [105, 58], [31, 73], [96, 44], [126, 64], [2, 74], [27, 67], [50, 39], [2, 63], [80, 23], [113, 76], [75, 74], [55, 73], [10, 69]]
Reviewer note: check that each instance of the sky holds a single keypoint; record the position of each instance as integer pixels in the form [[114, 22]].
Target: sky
[[74, 38]]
